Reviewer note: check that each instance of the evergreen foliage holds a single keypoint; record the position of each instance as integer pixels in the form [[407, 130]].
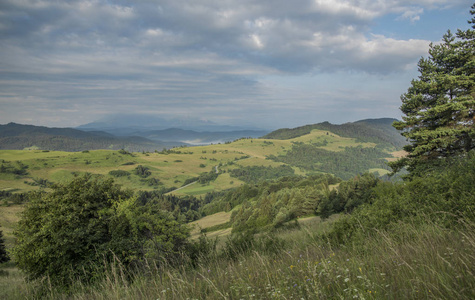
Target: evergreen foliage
[[439, 106]]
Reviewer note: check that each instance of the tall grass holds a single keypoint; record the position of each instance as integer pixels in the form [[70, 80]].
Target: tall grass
[[413, 262]]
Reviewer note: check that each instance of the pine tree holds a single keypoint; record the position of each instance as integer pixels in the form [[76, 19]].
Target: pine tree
[[439, 106]]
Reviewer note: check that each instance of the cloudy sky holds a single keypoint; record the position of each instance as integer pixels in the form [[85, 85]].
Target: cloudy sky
[[264, 63]]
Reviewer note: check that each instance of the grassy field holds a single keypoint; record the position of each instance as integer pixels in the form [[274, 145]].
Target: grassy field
[[208, 221], [9, 217], [171, 169]]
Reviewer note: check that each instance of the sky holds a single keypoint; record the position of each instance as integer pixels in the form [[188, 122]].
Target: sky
[[268, 63]]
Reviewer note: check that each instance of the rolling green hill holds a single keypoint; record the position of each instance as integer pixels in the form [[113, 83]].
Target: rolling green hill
[[202, 169], [379, 131]]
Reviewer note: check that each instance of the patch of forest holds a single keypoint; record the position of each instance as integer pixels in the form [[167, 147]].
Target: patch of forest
[[344, 164]]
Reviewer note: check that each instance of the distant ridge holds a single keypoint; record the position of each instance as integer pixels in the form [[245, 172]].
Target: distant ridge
[[17, 137], [378, 131]]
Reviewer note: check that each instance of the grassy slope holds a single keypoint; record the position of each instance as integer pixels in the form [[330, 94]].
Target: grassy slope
[[414, 263], [172, 169]]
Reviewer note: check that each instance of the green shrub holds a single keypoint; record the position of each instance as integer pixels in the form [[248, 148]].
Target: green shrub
[[119, 173], [71, 233], [142, 171], [444, 196]]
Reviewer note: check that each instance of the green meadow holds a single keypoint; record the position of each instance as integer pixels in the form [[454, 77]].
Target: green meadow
[[171, 168]]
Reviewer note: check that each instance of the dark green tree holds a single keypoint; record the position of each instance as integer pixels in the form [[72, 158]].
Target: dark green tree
[[3, 251], [142, 171], [439, 106], [69, 233]]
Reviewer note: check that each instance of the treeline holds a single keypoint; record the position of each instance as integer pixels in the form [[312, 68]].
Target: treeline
[[254, 174], [344, 164]]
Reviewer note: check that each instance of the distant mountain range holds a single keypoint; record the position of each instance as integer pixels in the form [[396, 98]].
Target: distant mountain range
[[17, 136], [126, 124]]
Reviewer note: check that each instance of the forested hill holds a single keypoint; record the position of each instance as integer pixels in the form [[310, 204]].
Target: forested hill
[[379, 131], [17, 136]]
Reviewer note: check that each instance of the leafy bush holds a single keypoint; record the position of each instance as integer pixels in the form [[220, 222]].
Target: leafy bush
[[69, 233], [142, 171], [444, 196], [349, 195]]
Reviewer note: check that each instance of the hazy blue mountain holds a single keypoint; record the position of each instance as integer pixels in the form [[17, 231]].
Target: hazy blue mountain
[[125, 124], [17, 136]]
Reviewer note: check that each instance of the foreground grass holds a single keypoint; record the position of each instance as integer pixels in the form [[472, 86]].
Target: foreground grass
[[427, 262]]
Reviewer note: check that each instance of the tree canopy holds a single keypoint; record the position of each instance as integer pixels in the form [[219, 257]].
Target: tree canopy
[[70, 232], [439, 106]]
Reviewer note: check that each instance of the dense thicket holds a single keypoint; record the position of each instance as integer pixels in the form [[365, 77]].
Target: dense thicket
[[183, 208], [444, 196], [344, 164], [71, 232]]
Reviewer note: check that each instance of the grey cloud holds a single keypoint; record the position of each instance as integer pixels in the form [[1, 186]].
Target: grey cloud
[[187, 56], [277, 34]]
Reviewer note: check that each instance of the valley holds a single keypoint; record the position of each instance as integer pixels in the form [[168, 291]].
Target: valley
[[172, 168]]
